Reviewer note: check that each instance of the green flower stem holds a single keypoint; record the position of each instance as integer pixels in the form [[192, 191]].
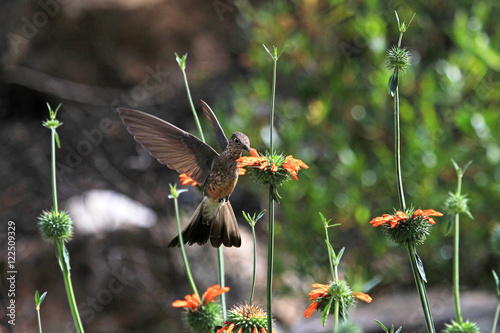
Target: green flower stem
[[330, 255], [182, 65], [271, 131], [424, 300], [222, 280], [336, 319], [397, 139], [337, 302], [61, 252], [220, 254], [495, 320], [54, 184], [39, 319], [270, 260], [254, 264], [456, 275], [181, 243], [67, 283]]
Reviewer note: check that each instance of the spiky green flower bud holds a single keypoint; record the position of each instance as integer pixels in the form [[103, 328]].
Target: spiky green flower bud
[[205, 319], [398, 58], [457, 203], [55, 226], [465, 327]]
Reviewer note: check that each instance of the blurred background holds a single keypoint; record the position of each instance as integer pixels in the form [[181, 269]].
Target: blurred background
[[333, 112]]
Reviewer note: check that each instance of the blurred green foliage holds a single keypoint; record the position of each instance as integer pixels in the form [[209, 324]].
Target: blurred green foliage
[[334, 112]]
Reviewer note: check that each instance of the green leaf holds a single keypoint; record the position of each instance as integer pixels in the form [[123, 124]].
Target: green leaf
[[326, 311], [399, 329], [420, 267], [57, 138], [331, 250], [382, 325], [393, 83], [37, 298], [260, 215], [181, 61], [42, 297], [339, 256], [497, 282]]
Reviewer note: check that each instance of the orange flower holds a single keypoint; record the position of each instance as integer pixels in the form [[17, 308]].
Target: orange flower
[[193, 302], [309, 311], [364, 297], [212, 292], [293, 165], [275, 163], [392, 220], [401, 217], [426, 213], [321, 290], [190, 302], [185, 180]]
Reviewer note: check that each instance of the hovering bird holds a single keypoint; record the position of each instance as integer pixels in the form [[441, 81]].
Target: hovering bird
[[214, 218]]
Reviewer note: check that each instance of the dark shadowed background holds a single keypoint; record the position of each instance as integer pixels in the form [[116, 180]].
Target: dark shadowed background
[[333, 112]]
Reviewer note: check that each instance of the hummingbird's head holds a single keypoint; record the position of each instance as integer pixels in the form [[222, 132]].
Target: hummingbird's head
[[238, 142]]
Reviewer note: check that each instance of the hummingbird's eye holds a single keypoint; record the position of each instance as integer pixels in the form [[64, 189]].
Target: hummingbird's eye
[[236, 140]]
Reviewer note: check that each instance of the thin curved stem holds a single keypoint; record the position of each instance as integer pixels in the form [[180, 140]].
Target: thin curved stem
[[397, 149], [270, 261], [183, 250], [54, 183], [67, 283], [254, 264], [424, 300]]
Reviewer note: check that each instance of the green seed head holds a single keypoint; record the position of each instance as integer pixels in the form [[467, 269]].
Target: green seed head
[[205, 319], [465, 327], [412, 231], [457, 204], [398, 58], [247, 317], [55, 226]]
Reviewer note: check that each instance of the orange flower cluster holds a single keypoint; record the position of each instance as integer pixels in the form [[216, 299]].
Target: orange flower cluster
[[193, 302], [185, 180], [292, 165], [400, 217], [255, 160], [321, 291]]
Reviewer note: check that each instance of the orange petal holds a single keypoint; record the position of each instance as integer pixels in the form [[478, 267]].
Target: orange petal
[[274, 168], [401, 216], [242, 171], [309, 311], [254, 152], [431, 212], [185, 180], [213, 292], [431, 220], [363, 297], [222, 329]]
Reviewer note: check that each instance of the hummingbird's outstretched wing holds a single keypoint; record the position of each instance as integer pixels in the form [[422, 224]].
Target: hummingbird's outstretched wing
[[219, 133], [170, 145]]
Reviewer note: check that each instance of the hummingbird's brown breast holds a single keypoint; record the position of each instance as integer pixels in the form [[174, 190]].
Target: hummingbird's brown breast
[[223, 178]]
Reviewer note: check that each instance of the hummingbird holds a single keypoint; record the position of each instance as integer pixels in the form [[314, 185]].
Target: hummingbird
[[179, 150]]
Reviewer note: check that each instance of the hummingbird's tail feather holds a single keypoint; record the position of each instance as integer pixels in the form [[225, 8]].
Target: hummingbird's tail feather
[[225, 228], [211, 220]]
